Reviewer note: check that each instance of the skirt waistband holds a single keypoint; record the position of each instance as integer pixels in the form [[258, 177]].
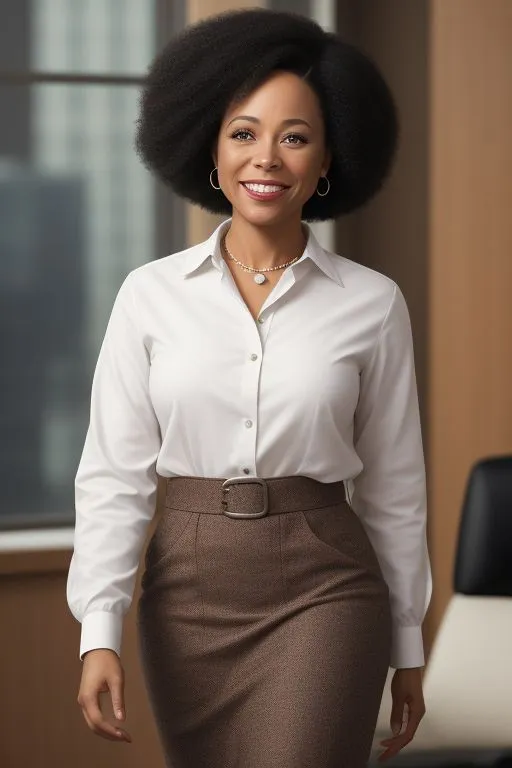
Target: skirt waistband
[[250, 496]]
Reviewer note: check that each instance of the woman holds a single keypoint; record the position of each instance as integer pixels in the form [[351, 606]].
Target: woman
[[271, 609]]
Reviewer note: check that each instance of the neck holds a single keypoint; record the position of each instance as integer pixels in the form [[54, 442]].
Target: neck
[[260, 247]]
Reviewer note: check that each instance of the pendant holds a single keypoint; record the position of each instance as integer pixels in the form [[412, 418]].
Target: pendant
[[259, 279]]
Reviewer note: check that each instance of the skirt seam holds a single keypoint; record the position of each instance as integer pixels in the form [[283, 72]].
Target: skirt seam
[[198, 581], [283, 577]]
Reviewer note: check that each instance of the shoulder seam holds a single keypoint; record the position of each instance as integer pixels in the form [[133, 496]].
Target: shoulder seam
[[383, 323]]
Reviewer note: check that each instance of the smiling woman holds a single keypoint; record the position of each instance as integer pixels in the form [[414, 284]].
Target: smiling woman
[[259, 374], [260, 159], [189, 93]]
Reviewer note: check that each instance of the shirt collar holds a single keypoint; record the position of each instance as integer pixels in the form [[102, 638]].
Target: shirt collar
[[192, 258]]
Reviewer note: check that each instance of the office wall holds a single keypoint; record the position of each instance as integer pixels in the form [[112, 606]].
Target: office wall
[[442, 229], [41, 722], [390, 233], [470, 257]]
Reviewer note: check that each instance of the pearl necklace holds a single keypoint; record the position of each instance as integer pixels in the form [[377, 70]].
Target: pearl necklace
[[258, 277]]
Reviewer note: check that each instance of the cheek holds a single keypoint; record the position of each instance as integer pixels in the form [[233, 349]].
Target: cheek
[[306, 167], [228, 161]]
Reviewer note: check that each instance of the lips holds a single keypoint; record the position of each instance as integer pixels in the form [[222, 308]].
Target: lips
[[263, 192], [266, 183]]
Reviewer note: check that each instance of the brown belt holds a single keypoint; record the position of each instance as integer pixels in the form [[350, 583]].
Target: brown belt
[[250, 496]]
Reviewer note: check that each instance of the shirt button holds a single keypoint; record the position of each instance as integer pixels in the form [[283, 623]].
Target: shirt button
[[254, 357], [248, 423], [261, 319], [246, 470]]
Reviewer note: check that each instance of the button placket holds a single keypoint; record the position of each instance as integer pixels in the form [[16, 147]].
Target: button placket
[[249, 393]]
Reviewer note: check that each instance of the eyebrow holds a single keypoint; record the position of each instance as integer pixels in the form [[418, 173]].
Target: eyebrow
[[289, 121]]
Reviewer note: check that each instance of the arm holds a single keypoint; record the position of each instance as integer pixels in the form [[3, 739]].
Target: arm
[[389, 495], [116, 482]]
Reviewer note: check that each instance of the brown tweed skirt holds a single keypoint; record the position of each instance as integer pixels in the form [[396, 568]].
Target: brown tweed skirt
[[265, 638]]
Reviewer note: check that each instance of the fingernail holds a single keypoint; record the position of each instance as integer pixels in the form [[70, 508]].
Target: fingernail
[[119, 714], [395, 729]]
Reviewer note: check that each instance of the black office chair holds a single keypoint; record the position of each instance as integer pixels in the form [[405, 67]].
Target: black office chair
[[468, 679]]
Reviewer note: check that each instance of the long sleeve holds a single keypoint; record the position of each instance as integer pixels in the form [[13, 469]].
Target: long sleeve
[[389, 495], [116, 481]]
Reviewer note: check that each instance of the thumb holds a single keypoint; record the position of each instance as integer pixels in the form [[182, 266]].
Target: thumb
[[117, 694]]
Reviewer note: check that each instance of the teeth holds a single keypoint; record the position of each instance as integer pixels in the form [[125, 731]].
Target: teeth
[[263, 188]]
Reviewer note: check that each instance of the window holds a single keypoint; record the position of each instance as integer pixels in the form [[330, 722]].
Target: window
[[78, 211]]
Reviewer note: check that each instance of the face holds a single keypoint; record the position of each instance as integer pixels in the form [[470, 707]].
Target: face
[[274, 136]]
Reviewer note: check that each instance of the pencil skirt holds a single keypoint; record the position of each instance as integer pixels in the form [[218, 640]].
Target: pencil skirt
[[264, 640]]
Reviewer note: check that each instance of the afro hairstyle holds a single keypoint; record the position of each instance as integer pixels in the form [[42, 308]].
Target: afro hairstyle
[[211, 64]]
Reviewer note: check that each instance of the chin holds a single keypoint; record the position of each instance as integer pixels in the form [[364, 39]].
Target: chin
[[266, 217]]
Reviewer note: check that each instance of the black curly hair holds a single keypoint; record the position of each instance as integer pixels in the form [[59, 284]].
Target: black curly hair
[[223, 58]]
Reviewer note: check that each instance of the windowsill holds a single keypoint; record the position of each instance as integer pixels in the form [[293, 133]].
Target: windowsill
[[35, 551], [36, 540]]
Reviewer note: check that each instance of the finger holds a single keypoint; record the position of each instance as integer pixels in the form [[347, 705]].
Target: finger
[[396, 743], [397, 716], [413, 718], [415, 715], [398, 725], [116, 686], [99, 725], [94, 730]]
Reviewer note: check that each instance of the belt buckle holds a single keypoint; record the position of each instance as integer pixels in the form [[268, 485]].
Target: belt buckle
[[245, 479]]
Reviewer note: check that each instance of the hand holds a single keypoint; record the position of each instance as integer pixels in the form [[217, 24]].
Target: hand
[[102, 672], [407, 692]]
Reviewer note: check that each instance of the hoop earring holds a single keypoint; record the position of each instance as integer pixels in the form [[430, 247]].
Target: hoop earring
[[211, 182], [323, 194]]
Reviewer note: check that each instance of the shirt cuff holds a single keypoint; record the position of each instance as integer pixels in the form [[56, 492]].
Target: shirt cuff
[[101, 629], [407, 648]]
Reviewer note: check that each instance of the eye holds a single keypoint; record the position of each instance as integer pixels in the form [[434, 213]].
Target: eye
[[236, 134], [302, 139], [241, 135]]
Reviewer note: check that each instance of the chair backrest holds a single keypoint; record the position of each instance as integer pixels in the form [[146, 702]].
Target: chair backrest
[[484, 552], [468, 680]]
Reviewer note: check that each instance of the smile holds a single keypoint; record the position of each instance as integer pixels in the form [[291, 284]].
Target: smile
[[264, 191]]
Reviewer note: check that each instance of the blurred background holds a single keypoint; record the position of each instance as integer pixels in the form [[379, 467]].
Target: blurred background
[[78, 212]]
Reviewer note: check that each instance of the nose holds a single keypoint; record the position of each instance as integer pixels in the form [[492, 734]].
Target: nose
[[267, 163], [267, 158]]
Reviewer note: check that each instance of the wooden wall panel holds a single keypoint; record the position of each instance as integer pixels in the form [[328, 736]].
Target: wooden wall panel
[[442, 229], [41, 723], [470, 264]]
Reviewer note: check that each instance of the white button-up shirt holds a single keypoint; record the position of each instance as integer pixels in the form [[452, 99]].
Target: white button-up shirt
[[187, 383]]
